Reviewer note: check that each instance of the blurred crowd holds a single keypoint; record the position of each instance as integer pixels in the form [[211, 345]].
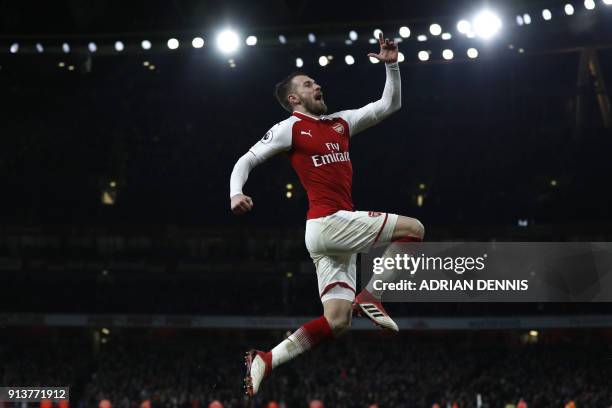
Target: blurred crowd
[[194, 369]]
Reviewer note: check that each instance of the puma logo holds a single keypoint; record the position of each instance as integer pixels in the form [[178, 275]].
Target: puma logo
[[307, 132]]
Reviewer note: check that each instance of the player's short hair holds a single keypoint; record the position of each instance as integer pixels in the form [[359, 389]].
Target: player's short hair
[[284, 88]]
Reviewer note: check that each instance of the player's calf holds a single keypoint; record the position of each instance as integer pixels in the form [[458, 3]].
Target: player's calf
[[338, 313]]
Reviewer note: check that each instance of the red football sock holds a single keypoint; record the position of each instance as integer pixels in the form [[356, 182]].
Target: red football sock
[[306, 337]]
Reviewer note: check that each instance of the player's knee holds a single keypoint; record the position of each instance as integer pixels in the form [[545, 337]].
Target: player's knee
[[409, 227], [418, 229]]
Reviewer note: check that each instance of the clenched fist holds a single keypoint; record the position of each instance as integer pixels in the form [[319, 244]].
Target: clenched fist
[[241, 204]]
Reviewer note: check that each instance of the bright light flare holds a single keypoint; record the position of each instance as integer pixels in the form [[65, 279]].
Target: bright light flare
[[487, 24], [435, 29], [173, 43], [423, 55], [251, 40], [404, 32], [228, 41], [464, 26], [546, 14], [197, 42]]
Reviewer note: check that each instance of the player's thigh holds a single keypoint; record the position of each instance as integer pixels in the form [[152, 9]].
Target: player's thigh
[[408, 227], [336, 276], [349, 232]]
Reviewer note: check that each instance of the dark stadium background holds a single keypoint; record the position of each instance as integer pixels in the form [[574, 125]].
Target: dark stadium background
[[157, 296]]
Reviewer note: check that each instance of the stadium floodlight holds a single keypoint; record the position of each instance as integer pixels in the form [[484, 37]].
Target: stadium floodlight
[[323, 60], [435, 29], [145, 44], [422, 38], [519, 20], [423, 55], [470, 34], [66, 48], [14, 48], [173, 43], [546, 14], [446, 36], [404, 32], [119, 46], [400, 57], [377, 33], [197, 42], [589, 4], [486, 24], [39, 47], [527, 19], [349, 60], [374, 60], [312, 38], [353, 35], [569, 9], [92, 47], [464, 26], [472, 53], [282, 39], [299, 62], [372, 41], [251, 40], [227, 41], [448, 54]]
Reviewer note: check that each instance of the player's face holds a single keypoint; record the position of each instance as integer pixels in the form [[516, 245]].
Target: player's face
[[309, 94]]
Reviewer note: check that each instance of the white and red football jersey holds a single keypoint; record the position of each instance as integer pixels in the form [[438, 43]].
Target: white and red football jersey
[[318, 149]]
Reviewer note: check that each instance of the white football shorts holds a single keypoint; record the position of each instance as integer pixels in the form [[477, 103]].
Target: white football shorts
[[334, 242]]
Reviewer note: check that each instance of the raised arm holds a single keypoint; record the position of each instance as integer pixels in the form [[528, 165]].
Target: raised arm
[[391, 100], [276, 140]]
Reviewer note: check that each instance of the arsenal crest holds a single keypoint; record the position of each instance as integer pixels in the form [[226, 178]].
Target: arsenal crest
[[338, 128]]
